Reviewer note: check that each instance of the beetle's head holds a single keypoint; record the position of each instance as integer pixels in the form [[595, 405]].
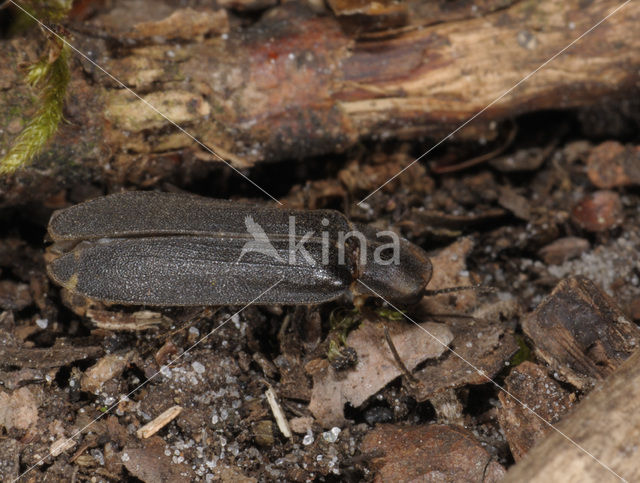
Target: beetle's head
[[401, 278]]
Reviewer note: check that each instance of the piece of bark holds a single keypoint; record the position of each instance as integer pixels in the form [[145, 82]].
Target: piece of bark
[[129, 321], [423, 222], [184, 23], [16, 379], [483, 341], [359, 16], [429, 453], [131, 20], [247, 5], [580, 332], [295, 85], [563, 249], [155, 425], [532, 386], [107, 368], [605, 424], [46, 358], [514, 202], [482, 350], [151, 463]]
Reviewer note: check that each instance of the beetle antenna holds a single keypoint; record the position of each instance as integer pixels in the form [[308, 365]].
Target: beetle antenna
[[480, 287], [397, 357]]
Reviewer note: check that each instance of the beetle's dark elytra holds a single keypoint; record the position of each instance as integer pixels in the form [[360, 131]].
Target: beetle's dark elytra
[[167, 249]]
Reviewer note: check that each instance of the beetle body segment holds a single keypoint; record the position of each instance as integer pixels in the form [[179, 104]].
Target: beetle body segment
[[167, 249], [186, 270]]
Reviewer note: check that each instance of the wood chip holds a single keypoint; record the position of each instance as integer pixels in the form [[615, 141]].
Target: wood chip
[[563, 249], [61, 445], [46, 358], [152, 427], [429, 453], [580, 332], [107, 368], [136, 321], [532, 386], [605, 425], [278, 414], [484, 346], [184, 23]]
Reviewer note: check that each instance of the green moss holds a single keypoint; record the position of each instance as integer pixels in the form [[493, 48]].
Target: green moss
[[523, 354], [54, 78], [343, 321], [50, 75], [390, 314]]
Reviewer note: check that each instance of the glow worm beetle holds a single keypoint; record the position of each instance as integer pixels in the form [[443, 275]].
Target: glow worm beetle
[[168, 249]]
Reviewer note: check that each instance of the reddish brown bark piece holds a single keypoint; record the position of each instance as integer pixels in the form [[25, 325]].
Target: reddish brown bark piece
[[429, 453], [295, 85], [532, 386], [605, 425], [563, 249], [580, 332], [56, 356]]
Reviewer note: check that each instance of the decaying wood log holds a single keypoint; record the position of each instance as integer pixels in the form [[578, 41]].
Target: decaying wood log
[[295, 84], [606, 424]]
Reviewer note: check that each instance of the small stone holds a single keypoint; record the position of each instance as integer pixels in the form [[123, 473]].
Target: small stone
[[331, 436], [612, 164], [308, 439]]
